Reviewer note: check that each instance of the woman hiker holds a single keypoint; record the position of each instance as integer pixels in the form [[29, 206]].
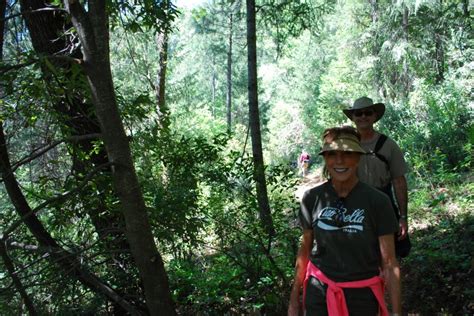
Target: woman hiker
[[347, 256]]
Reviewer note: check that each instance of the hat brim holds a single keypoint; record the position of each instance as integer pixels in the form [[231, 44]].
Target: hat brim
[[342, 144], [379, 109]]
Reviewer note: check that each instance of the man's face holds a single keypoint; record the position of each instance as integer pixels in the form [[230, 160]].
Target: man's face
[[364, 118]]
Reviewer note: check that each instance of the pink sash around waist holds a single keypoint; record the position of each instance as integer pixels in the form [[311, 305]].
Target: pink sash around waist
[[335, 299]]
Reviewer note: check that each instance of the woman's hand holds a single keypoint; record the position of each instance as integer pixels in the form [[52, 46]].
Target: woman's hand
[[300, 272], [294, 306], [391, 271]]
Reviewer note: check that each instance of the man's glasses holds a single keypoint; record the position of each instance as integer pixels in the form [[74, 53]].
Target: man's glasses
[[359, 113]]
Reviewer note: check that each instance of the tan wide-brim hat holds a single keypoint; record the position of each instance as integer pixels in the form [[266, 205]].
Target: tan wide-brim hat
[[343, 142], [364, 103]]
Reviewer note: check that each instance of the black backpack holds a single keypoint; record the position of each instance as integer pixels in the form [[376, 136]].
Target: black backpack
[[402, 247]]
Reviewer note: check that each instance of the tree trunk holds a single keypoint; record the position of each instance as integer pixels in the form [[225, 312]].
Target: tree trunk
[[93, 32], [213, 86], [77, 118], [254, 122], [439, 58], [162, 45], [377, 72], [439, 50], [229, 77], [3, 8], [465, 8], [405, 76]]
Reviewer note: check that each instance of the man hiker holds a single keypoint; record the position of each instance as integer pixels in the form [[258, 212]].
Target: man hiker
[[383, 166]]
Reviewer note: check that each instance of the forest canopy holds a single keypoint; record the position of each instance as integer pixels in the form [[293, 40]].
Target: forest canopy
[[148, 150]]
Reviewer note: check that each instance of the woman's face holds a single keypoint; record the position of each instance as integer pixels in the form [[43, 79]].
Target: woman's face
[[342, 165]]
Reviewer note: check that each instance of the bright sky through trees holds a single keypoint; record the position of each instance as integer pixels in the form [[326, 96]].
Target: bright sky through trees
[[189, 3]]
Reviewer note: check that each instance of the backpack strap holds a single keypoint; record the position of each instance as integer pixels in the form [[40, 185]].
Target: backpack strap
[[378, 146], [387, 189], [380, 142]]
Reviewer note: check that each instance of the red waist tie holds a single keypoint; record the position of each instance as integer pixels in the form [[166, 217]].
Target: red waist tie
[[335, 299]]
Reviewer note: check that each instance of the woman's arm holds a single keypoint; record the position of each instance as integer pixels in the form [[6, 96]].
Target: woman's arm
[[300, 272], [391, 271]]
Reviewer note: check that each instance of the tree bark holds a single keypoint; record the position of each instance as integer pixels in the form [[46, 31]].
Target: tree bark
[[92, 28], [254, 122]]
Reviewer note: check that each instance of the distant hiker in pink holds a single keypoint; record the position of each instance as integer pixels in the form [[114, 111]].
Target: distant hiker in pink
[[347, 255], [303, 163]]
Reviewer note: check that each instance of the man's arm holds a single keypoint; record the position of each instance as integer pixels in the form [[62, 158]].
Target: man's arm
[[401, 193]]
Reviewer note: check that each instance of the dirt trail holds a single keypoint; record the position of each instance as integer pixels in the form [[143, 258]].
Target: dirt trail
[[311, 180]]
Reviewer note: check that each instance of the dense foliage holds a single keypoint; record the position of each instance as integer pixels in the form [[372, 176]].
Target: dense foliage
[[314, 58]]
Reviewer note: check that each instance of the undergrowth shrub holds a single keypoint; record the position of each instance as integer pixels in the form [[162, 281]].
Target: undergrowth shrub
[[434, 128], [232, 271], [438, 273]]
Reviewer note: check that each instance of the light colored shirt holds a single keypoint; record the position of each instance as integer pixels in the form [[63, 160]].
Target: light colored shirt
[[374, 171]]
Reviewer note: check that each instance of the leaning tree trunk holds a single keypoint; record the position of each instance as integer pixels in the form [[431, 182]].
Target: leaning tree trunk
[[67, 261], [93, 32], [254, 122], [44, 29], [47, 32], [10, 267]]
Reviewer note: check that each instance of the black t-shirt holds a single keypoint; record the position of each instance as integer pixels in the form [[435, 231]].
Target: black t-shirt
[[346, 231]]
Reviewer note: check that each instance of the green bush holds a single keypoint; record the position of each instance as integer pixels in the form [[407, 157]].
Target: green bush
[[438, 273], [233, 271]]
